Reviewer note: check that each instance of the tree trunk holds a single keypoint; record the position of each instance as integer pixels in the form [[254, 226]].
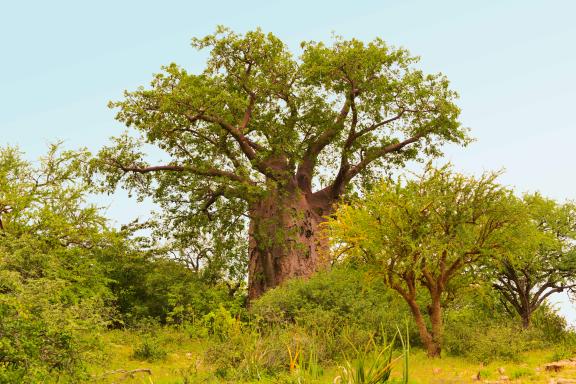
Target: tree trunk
[[526, 318], [284, 239], [437, 326], [430, 341]]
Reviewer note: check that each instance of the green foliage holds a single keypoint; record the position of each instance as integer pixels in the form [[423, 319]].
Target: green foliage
[[373, 364], [303, 325], [246, 355], [149, 349], [427, 234], [221, 324], [368, 368], [332, 301], [434, 224], [520, 372], [258, 122], [543, 261], [53, 292], [291, 102], [477, 327], [496, 343], [147, 284]]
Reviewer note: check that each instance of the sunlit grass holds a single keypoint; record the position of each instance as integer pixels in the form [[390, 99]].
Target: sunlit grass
[[185, 363]]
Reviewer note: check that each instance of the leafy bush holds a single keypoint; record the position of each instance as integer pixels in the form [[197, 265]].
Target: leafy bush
[[344, 298], [54, 297], [47, 310], [303, 324], [245, 356], [478, 327], [238, 351], [150, 286], [551, 328], [149, 349]]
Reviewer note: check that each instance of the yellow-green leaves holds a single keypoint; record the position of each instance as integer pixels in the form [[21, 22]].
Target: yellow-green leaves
[[440, 223]]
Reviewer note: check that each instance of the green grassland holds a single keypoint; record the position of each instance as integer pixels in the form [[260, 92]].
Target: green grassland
[[185, 362]]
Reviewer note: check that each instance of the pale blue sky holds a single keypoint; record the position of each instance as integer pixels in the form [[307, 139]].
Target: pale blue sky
[[513, 63]]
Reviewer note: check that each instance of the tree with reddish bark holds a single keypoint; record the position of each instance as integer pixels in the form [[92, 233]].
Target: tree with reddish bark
[[543, 263], [261, 144], [427, 235]]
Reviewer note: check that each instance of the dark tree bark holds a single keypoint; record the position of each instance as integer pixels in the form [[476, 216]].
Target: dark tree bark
[[520, 295]]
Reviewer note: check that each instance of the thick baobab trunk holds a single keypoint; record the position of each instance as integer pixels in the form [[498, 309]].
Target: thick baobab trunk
[[284, 240]]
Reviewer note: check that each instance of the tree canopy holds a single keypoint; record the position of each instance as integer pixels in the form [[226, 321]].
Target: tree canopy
[[544, 260], [259, 123], [425, 233]]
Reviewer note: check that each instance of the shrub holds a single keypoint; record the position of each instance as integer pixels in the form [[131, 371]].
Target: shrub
[[149, 349], [155, 287], [44, 317], [249, 355], [244, 355], [332, 301], [551, 328], [478, 327]]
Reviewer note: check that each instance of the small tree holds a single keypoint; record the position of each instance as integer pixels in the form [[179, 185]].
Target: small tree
[[265, 143], [545, 261], [422, 234]]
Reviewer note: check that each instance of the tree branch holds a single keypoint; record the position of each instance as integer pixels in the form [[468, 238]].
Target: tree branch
[[248, 113], [375, 126], [379, 152], [306, 168], [336, 188], [247, 146], [209, 172]]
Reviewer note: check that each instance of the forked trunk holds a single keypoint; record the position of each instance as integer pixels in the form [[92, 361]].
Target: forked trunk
[[431, 340], [284, 240]]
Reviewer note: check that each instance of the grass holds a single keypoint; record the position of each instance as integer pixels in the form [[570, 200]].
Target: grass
[[184, 363], [183, 358]]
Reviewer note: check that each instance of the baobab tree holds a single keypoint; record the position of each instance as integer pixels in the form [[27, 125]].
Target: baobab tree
[[277, 140]]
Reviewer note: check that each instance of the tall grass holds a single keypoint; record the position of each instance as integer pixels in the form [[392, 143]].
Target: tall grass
[[373, 364]]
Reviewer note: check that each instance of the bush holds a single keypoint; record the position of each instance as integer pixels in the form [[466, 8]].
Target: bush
[[238, 351], [330, 302], [244, 355], [155, 287], [302, 324], [478, 327], [45, 315], [551, 328], [149, 349]]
